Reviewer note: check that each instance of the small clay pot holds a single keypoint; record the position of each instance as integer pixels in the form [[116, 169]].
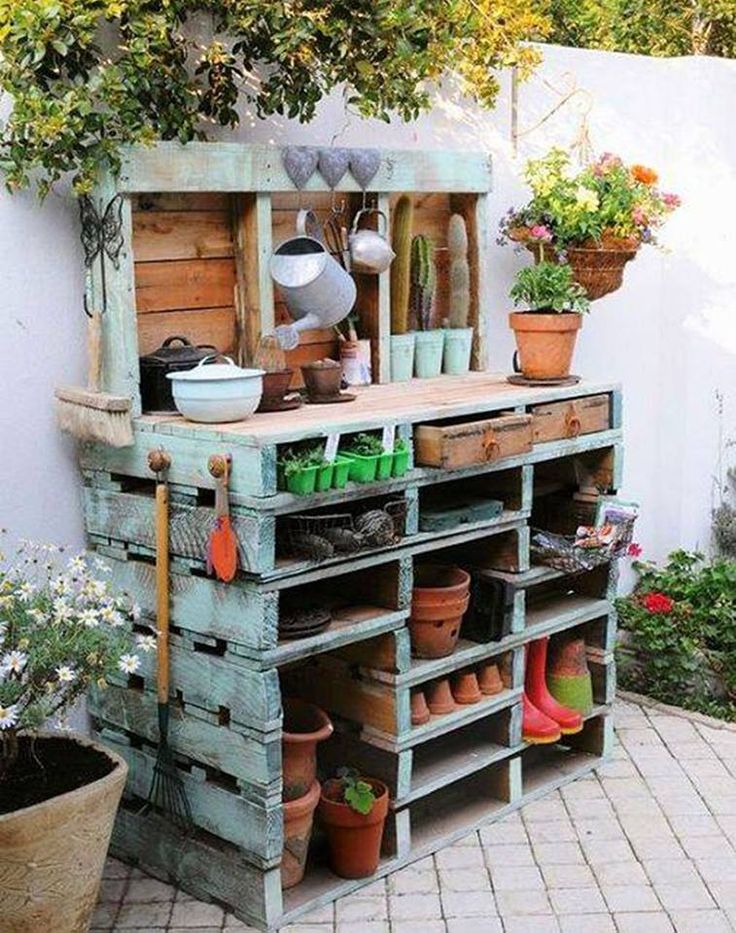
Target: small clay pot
[[354, 839], [504, 669], [322, 379], [465, 689], [298, 821], [439, 698], [275, 387], [304, 726], [489, 679], [439, 600], [419, 709]]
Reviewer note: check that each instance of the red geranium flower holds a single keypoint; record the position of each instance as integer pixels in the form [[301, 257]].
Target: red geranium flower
[[658, 602], [634, 550]]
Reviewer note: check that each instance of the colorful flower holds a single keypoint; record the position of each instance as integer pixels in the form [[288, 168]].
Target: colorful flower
[[639, 217], [671, 201], [634, 550], [129, 663], [658, 603], [541, 232], [8, 716], [587, 199], [647, 176]]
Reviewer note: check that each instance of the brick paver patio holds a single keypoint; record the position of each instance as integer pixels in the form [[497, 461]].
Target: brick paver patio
[[646, 844]]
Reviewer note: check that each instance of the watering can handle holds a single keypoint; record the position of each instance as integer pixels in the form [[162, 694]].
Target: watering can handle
[[307, 224], [383, 222]]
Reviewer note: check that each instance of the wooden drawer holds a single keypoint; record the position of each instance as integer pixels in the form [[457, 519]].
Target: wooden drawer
[[571, 418], [460, 445]]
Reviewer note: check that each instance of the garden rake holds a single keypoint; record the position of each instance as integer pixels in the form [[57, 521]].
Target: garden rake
[[167, 793]]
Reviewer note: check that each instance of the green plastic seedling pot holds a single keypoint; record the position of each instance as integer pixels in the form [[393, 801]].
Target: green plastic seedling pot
[[385, 465], [400, 462], [303, 481], [324, 477], [340, 473], [363, 469]]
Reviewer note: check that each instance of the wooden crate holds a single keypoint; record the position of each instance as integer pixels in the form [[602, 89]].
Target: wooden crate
[[468, 443], [570, 419]]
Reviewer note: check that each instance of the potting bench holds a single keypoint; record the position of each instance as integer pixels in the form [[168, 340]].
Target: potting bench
[[229, 665]]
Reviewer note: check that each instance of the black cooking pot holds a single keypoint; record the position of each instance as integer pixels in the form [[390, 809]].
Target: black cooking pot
[[155, 387]]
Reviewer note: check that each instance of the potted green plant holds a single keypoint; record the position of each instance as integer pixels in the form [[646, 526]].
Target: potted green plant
[[400, 462], [458, 336], [62, 629], [353, 811], [546, 330], [302, 470], [595, 219], [430, 340], [367, 458]]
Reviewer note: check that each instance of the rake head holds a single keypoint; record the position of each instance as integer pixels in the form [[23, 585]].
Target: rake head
[[167, 794]]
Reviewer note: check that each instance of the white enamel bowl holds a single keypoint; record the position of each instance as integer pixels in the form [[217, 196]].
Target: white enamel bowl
[[217, 392]]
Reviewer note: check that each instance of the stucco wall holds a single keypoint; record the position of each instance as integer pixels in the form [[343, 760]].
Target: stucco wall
[[669, 335]]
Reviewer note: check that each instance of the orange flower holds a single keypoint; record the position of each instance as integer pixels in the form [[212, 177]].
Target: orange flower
[[647, 176]]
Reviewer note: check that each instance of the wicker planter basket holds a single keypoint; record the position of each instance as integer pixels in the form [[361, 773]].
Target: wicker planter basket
[[599, 270]]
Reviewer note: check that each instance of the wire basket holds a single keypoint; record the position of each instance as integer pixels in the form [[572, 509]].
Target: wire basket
[[562, 553], [314, 536], [397, 509]]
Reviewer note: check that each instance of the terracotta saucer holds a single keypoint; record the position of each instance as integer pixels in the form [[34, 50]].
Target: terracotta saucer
[[516, 379], [342, 397], [287, 403]]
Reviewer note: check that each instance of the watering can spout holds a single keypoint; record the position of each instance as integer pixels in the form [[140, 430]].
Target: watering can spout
[[288, 334]]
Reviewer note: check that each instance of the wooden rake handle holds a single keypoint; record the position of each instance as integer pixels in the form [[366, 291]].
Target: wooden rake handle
[[159, 461]]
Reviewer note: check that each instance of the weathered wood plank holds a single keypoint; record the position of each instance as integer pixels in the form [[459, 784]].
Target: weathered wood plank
[[211, 166], [184, 284], [215, 326], [166, 235], [174, 201], [571, 418]]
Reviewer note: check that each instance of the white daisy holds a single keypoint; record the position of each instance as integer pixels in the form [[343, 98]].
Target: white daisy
[[146, 642], [111, 616], [8, 716], [61, 586], [102, 566], [25, 591], [13, 662], [62, 611], [89, 618], [129, 663], [77, 564], [66, 674], [38, 615], [135, 612]]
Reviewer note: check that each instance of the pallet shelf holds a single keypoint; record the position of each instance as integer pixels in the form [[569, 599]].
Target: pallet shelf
[[199, 223]]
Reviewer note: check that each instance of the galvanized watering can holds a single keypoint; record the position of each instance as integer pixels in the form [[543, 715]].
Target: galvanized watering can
[[317, 290], [369, 249]]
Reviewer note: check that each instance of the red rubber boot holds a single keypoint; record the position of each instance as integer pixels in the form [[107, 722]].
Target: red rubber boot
[[536, 728], [569, 720]]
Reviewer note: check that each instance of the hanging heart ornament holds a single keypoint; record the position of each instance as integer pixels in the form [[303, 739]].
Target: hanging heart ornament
[[364, 163], [333, 163], [299, 163]]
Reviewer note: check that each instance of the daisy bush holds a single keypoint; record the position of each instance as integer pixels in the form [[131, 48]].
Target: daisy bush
[[606, 203], [62, 629]]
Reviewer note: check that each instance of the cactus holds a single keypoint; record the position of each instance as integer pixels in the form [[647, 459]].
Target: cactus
[[423, 282], [269, 356], [457, 244], [400, 274]]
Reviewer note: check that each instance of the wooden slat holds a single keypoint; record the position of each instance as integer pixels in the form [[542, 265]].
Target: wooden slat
[[162, 235], [175, 201], [214, 326], [182, 284]]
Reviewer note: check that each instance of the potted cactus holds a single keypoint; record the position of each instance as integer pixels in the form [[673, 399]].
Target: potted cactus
[[429, 342], [458, 336], [402, 339]]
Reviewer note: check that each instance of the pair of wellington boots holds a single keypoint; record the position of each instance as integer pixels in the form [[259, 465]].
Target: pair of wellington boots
[[544, 720]]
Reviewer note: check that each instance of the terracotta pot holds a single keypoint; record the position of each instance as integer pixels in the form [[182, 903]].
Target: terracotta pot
[[489, 680], [322, 379], [354, 839], [465, 689], [419, 709], [304, 726], [504, 669], [275, 387], [298, 821], [439, 600], [439, 698], [52, 853], [546, 342]]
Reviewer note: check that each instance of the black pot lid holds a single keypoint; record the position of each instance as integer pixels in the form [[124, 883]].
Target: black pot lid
[[184, 352]]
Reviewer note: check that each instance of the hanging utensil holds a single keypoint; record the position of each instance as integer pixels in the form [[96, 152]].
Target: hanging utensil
[[167, 791], [222, 548]]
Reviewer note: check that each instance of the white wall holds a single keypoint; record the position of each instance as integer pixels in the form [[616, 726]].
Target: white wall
[[669, 335]]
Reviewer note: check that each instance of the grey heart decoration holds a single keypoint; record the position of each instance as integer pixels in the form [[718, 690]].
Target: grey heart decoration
[[333, 163], [299, 163], [364, 163]]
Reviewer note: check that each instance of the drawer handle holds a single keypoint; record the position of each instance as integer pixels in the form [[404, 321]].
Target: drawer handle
[[491, 446], [572, 423]]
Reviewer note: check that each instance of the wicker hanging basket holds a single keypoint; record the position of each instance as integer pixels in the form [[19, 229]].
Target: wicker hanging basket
[[600, 270]]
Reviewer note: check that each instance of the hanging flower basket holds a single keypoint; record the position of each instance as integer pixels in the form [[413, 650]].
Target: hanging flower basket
[[599, 269]]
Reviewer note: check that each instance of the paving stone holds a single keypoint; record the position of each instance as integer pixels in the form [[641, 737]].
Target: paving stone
[[615, 873], [114, 868], [542, 811], [701, 921], [582, 790], [143, 916], [705, 847], [567, 876], [687, 896], [600, 852], [697, 825], [509, 855], [717, 869], [540, 924], [657, 848], [516, 878], [552, 831], [586, 900], [112, 890], [465, 879], [671, 871], [103, 916], [408, 881], [460, 857], [416, 926], [725, 893], [232, 923], [377, 888], [325, 914], [503, 833], [468, 904], [564, 853], [196, 914], [369, 926], [522, 903], [590, 809], [618, 768], [632, 897], [643, 923], [351, 909], [473, 925], [585, 923], [147, 890], [606, 828], [216, 929], [414, 907]]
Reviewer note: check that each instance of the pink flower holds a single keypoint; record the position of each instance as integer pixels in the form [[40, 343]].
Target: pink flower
[[634, 550], [640, 218], [606, 162], [540, 232], [671, 201]]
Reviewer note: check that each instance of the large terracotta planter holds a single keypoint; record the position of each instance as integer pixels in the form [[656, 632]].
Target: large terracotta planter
[[52, 853], [439, 600], [354, 839], [298, 822], [545, 342], [304, 726]]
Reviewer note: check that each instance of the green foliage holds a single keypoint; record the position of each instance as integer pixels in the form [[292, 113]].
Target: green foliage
[[305, 455], [89, 76], [366, 445], [423, 282], [549, 286], [682, 653], [357, 794], [657, 27]]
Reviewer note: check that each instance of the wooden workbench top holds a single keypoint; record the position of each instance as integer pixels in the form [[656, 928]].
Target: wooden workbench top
[[378, 405]]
